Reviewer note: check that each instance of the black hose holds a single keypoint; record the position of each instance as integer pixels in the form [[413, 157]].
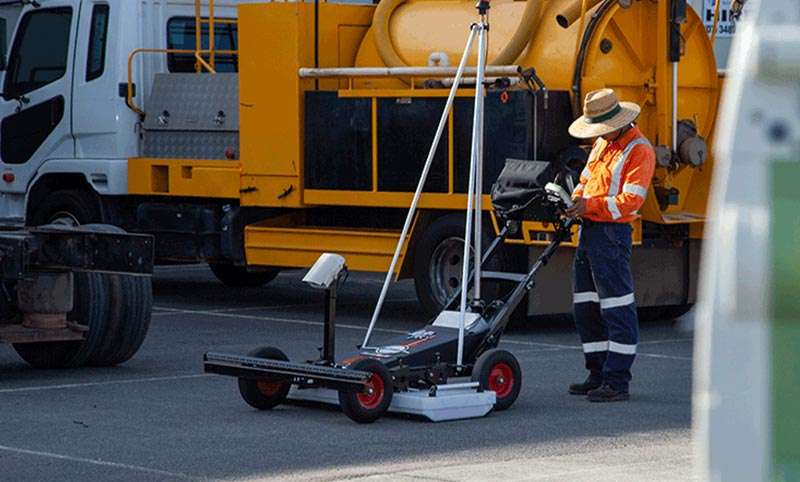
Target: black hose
[[577, 101]]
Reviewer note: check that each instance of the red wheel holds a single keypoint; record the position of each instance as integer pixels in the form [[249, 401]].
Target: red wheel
[[370, 404], [501, 379], [375, 393], [265, 394], [499, 371], [269, 388]]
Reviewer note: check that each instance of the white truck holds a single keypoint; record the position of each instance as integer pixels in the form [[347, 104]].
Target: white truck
[[66, 132], [69, 295]]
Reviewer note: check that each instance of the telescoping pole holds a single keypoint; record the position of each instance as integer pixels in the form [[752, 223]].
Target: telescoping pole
[[422, 179], [475, 189]]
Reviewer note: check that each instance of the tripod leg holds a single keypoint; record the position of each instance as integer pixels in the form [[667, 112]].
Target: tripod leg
[[423, 177], [473, 215]]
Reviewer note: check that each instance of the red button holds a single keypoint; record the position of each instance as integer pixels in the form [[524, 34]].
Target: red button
[[8, 176]]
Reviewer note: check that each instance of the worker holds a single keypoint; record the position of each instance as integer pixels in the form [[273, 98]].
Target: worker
[[612, 188]]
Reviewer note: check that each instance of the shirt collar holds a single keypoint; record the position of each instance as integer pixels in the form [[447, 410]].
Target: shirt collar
[[626, 138]]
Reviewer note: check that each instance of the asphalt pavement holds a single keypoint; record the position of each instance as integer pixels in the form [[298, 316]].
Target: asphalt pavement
[[159, 417]]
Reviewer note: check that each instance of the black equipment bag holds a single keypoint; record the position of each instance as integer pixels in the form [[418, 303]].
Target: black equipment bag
[[519, 191]]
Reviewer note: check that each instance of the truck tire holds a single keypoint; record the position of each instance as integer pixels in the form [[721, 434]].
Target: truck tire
[[265, 395], [437, 263], [239, 277], [130, 301], [91, 309], [499, 371], [71, 207], [368, 407]]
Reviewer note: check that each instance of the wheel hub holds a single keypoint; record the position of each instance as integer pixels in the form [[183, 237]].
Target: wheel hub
[[64, 218], [501, 380], [373, 393], [445, 269]]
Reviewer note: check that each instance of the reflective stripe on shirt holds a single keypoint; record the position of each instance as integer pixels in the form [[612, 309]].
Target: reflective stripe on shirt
[[636, 189], [611, 203], [616, 172]]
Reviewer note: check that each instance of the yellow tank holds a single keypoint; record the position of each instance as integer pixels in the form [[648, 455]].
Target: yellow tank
[[621, 48]]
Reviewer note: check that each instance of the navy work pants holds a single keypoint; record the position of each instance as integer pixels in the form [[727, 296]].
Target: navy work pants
[[603, 302]]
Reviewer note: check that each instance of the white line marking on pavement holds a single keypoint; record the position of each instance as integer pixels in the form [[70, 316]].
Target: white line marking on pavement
[[666, 357], [279, 320], [570, 347], [386, 330], [536, 343], [100, 384], [274, 307], [103, 463]]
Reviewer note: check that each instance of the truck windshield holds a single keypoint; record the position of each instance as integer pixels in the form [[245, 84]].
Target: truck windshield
[[39, 54], [181, 36]]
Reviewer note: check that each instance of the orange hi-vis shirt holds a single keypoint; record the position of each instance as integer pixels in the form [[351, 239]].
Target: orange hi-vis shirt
[[617, 177]]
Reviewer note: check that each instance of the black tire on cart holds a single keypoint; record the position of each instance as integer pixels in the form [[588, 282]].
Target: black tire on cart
[[263, 394], [90, 309], [130, 307], [370, 406], [498, 370], [438, 263], [239, 277]]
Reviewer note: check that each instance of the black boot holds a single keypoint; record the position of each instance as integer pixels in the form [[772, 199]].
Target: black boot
[[607, 394], [592, 381]]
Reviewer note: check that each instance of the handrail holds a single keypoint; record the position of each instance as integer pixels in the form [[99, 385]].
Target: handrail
[[198, 36], [340, 72], [197, 54], [200, 62], [212, 21], [222, 21]]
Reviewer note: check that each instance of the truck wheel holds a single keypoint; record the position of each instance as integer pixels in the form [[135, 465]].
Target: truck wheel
[[130, 301], [91, 309], [240, 277], [438, 263], [261, 394], [370, 406], [70, 207], [498, 370]]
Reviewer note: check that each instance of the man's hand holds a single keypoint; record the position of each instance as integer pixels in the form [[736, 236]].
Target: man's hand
[[578, 208]]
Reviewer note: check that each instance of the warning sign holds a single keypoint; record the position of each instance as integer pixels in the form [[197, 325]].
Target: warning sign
[[727, 24]]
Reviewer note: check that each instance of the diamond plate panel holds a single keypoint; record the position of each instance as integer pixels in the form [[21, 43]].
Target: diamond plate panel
[[193, 102]]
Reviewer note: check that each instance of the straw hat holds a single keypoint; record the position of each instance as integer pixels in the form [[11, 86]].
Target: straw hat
[[603, 113]]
